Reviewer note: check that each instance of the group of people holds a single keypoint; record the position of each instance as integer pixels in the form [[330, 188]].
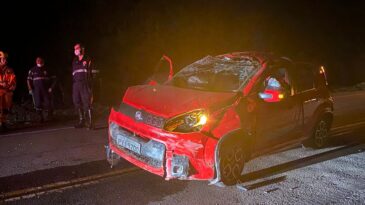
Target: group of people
[[41, 84]]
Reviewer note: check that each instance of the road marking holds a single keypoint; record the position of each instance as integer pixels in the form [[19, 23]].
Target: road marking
[[348, 95], [352, 126], [45, 130], [37, 132], [60, 186]]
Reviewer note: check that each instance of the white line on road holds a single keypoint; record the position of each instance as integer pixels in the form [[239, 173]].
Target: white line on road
[[348, 95], [352, 125], [37, 132], [59, 186]]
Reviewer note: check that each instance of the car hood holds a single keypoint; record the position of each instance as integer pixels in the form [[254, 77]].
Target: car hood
[[168, 101]]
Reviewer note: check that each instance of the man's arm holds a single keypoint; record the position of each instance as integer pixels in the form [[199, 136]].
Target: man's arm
[[91, 70], [53, 78], [11, 80], [30, 81]]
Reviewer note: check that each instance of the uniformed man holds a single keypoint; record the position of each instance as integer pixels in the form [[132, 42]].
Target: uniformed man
[[7, 86], [82, 83], [40, 85]]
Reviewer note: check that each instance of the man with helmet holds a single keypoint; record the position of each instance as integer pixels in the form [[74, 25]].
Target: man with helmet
[[81, 89], [7, 86]]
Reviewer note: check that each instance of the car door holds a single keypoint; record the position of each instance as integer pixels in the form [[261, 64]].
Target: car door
[[163, 71], [277, 117], [307, 92]]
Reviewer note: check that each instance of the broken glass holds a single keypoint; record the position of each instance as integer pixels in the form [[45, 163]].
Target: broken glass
[[217, 74]]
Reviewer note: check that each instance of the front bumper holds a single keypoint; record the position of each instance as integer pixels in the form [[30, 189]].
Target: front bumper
[[170, 155]]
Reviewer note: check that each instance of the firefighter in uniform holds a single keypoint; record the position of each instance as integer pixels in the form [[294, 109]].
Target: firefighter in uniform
[[82, 83], [7, 86], [40, 85]]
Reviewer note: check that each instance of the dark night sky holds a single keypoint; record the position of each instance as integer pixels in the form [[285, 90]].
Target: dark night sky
[[126, 38]]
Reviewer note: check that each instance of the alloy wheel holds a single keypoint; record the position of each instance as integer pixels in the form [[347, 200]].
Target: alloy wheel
[[232, 163], [321, 133]]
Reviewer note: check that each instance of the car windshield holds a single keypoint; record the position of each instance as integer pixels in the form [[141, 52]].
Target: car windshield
[[217, 74]]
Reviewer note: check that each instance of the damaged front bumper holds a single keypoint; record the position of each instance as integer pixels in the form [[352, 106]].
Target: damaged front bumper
[[148, 151], [169, 155]]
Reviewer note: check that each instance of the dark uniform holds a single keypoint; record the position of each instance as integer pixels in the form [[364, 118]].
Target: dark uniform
[[81, 89], [40, 81]]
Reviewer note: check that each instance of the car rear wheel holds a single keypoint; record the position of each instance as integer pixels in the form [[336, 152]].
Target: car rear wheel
[[320, 133], [231, 163]]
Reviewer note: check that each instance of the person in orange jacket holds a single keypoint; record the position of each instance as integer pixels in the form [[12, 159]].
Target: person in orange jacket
[[7, 87]]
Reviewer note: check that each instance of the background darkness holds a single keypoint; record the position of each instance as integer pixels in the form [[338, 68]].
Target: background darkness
[[127, 38]]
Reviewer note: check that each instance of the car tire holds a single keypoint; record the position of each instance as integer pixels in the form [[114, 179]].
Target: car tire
[[320, 133], [232, 160]]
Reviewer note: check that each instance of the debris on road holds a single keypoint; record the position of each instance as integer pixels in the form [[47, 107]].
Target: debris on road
[[271, 190]]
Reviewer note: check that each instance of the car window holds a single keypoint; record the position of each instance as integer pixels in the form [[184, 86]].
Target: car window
[[304, 77], [279, 80]]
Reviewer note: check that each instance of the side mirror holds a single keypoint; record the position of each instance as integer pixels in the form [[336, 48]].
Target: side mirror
[[272, 95]]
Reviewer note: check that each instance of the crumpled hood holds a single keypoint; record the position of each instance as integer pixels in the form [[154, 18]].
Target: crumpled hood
[[168, 101]]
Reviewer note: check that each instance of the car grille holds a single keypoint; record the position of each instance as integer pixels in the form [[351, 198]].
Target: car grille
[[152, 152], [143, 116]]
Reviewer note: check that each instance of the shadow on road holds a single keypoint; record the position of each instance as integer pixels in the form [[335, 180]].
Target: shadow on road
[[351, 142], [303, 162], [261, 183]]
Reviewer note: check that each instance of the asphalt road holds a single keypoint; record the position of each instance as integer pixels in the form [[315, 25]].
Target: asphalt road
[[61, 159]]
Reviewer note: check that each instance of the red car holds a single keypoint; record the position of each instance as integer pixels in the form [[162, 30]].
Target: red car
[[219, 112]]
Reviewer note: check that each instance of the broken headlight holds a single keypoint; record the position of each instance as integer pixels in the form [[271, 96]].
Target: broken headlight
[[189, 122]]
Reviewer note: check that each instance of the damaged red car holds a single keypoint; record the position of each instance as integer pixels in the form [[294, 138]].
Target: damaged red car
[[219, 112]]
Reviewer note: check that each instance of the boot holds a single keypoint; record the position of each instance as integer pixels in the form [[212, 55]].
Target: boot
[[81, 123], [40, 115], [3, 127], [3, 114], [49, 115], [91, 120]]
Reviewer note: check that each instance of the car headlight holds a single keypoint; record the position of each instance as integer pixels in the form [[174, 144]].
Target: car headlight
[[188, 122]]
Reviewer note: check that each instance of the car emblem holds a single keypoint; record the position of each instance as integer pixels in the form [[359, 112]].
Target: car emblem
[[138, 116]]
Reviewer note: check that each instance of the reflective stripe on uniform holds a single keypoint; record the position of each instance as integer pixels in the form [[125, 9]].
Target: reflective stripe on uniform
[[94, 71], [79, 71], [40, 78]]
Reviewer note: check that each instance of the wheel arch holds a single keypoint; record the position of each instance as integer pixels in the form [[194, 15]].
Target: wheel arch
[[325, 110]]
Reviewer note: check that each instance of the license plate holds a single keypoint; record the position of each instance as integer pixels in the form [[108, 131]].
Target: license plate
[[129, 144]]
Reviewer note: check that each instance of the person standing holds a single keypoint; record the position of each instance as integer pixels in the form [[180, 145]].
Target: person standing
[[7, 87], [40, 85], [81, 89]]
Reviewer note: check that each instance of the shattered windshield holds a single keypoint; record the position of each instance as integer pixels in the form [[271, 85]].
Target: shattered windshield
[[219, 74]]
